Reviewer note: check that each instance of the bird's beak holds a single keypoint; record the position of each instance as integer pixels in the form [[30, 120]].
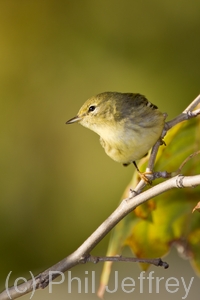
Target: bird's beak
[[73, 120]]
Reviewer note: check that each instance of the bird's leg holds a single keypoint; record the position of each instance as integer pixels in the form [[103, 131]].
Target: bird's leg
[[143, 175], [136, 166]]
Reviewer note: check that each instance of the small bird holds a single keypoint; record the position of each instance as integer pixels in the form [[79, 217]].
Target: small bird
[[127, 123]]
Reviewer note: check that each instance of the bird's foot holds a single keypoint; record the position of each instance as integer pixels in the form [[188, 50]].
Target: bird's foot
[[144, 175]]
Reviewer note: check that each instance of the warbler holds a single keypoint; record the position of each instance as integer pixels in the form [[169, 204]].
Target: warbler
[[127, 123]]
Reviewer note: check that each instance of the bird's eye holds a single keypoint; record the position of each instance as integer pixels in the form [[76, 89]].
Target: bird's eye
[[91, 108]]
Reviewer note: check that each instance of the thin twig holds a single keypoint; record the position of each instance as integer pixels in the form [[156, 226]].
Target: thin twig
[[186, 160], [155, 261], [193, 104]]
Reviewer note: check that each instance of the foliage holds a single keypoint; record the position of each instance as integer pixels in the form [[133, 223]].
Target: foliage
[[154, 227]]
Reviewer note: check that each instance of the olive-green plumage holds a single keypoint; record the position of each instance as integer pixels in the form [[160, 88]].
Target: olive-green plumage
[[128, 124]]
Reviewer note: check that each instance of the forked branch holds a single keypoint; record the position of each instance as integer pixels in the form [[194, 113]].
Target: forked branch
[[127, 205]]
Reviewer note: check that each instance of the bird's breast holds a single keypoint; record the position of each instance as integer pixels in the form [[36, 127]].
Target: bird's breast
[[126, 145]]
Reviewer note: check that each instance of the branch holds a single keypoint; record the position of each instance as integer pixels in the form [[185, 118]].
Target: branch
[[186, 114], [78, 256], [127, 205]]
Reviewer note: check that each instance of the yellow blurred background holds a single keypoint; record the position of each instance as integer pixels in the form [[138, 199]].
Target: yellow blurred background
[[56, 183]]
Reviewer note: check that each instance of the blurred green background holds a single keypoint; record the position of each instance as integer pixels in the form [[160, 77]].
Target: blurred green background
[[56, 184]]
